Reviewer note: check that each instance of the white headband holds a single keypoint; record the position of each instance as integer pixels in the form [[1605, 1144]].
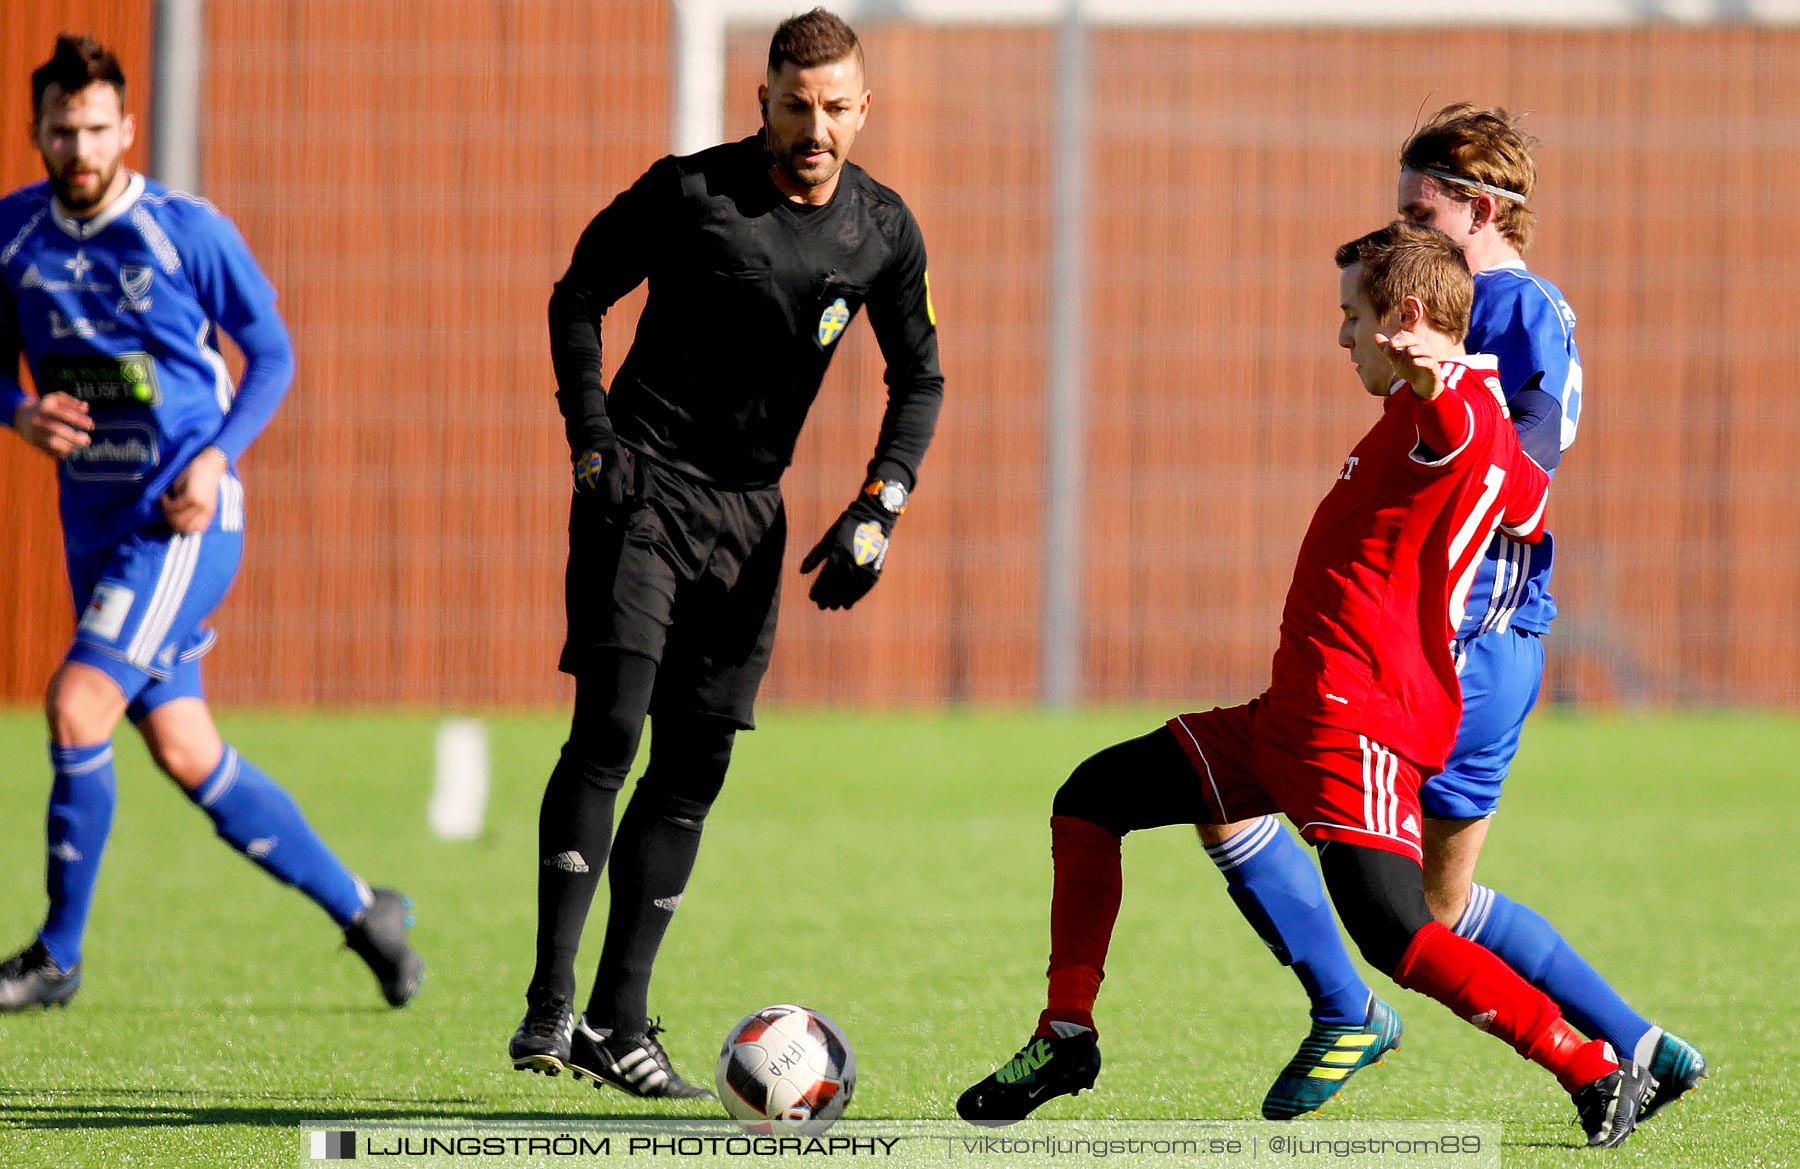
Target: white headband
[[1446, 176]]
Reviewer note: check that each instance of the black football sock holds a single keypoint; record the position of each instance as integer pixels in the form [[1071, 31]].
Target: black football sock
[[576, 819], [659, 837]]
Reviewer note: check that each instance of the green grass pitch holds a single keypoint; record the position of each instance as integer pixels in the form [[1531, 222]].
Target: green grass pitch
[[894, 873]]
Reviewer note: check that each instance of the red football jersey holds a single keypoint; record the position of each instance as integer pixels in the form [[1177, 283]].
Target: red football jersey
[[1385, 568]]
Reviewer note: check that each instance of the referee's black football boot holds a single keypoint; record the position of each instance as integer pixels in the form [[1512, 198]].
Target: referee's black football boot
[[1611, 1106], [636, 1064], [541, 1044], [31, 978], [1047, 1066], [378, 936]]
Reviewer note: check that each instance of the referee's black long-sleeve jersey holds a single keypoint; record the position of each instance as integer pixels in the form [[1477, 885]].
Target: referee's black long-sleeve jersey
[[749, 296]]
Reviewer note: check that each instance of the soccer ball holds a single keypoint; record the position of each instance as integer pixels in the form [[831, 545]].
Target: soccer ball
[[786, 1069]]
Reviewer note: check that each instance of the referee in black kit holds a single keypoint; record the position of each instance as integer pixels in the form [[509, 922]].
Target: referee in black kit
[[758, 253]]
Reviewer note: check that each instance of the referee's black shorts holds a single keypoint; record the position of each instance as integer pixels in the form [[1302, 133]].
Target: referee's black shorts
[[687, 575]]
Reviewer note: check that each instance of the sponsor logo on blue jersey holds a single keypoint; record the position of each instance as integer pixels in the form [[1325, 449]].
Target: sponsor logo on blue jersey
[[119, 452]]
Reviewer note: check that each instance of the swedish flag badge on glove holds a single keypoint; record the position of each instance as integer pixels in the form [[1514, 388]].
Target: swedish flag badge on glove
[[869, 546], [588, 469]]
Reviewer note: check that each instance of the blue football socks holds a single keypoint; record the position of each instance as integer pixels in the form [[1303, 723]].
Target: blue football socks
[[1531, 946], [81, 812], [257, 817], [1278, 890]]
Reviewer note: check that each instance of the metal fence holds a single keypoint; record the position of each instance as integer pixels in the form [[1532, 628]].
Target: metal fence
[[413, 176]]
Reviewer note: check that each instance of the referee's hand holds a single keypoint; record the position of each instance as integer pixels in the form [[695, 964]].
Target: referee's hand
[[851, 552], [608, 472]]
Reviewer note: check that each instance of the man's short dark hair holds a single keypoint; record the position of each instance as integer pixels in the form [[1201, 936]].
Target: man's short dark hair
[[813, 38], [1409, 259], [78, 62]]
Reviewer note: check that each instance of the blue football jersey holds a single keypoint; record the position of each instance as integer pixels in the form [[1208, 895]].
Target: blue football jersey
[[120, 311], [1524, 321]]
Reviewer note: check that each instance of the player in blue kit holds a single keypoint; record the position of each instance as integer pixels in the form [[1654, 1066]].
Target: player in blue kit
[[112, 287], [1470, 173]]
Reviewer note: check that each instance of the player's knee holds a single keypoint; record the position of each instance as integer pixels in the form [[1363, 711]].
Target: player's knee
[[1140, 783], [1380, 897], [610, 705], [81, 706], [185, 761], [1084, 795], [182, 740], [1381, 940], [688, 761], [1446, 904], [1213, 835], [602, 745], [599, 769]]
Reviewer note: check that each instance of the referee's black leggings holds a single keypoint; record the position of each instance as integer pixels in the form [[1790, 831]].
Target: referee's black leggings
[[658, 836], [1147, 782], [688, 756]]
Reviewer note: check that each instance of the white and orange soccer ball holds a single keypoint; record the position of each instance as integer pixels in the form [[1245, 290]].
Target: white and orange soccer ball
[[786, 1069]]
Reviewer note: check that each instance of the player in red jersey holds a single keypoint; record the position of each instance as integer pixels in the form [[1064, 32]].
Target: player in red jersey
[[1362, 705]]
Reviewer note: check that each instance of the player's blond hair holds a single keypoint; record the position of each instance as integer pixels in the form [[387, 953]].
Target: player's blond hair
[[1485, 146], [1409, 259]]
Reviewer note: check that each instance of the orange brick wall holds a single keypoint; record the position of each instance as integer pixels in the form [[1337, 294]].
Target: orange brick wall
[[413, 178]]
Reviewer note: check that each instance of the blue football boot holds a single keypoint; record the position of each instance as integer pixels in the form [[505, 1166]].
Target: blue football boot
[[1677, 1067], [1329, 1056]]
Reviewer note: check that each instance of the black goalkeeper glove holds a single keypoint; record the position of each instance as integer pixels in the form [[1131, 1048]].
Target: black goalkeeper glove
[[607, 470], [856, 546]]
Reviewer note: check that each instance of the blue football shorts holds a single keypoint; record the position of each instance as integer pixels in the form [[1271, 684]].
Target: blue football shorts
[[1500, 673], [142, 608]]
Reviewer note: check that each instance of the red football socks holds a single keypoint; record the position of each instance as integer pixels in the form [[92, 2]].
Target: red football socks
[[1485, 991], [1084, 904]]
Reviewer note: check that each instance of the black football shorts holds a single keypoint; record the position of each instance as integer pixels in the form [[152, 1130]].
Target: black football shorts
[[687, 575]]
